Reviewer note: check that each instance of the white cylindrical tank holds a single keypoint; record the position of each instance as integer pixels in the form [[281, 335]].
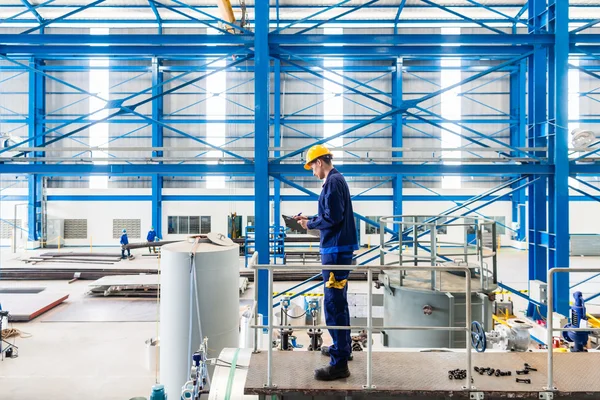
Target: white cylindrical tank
[[217, 277]]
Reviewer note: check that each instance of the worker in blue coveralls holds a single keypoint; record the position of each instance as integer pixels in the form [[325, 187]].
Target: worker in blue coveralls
[[150, 238], [124, 241], [335, 221]]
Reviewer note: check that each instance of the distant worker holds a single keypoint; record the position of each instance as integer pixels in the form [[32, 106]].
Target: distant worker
[[124, 241], [150, 239], [335, 221]]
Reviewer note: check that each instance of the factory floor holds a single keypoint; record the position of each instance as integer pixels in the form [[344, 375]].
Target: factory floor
[[107, 360]]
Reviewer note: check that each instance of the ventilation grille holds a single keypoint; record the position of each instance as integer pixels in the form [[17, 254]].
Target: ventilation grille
[[7, 228], [76, 229], [133, 226]]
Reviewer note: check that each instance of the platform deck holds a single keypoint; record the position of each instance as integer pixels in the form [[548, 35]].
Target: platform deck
[[425, 375]]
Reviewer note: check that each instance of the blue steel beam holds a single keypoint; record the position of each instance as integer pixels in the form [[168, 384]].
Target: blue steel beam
[[345, 13], [32, 10], [37, 106], [261, 144], [398, 13], [278, 30], [157, 141], [130, 109], [212, 17], [157, 15], [518, 134], [455, 13], [62, 17], [397, 133], [277, 141], [537, 137], [281, 169], [514, 20], [33, 7], [559, 191]]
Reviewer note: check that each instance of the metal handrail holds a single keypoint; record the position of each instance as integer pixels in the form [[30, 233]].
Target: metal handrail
[[550, 313], [369, 327]]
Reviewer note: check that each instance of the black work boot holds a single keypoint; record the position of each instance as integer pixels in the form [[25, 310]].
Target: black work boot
[[325, 352], [330, 373]]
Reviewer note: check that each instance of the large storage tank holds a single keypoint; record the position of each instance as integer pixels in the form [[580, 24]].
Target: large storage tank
[[217, 277]]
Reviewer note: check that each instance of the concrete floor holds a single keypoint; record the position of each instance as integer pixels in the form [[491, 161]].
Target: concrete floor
[[107, 360]]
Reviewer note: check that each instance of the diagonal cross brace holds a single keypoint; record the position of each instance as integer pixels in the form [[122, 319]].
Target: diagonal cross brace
[[337, 17], [33, 11], [341, 3], [431, 3], [46, 23]]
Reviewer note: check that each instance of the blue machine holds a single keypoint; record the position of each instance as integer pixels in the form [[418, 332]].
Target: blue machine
[[578, 314]]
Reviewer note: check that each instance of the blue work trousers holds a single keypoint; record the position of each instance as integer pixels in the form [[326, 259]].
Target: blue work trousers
[[336, 306]]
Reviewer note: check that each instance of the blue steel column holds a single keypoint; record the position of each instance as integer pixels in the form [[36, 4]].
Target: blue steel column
[[518, 133], [261, 148], [277, 141], [537, 89], [37, 110], [157, 141], [559, 189], [397, 137]]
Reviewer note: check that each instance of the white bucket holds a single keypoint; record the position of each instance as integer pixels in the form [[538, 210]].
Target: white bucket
[[152, 354]]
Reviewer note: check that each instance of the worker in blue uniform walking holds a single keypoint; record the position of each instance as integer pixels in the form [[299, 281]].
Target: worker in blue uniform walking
[[124, 241], [335, 221], [150, 238]]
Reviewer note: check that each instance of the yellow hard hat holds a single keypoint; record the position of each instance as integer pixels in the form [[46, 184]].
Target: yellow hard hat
[[315, 152]]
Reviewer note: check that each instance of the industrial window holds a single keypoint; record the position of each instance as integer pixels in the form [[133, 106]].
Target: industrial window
[[7, 228], [205, 225], [451, 110], [133, 226], [194, 225], [75, 229], [333, 99], [98, 133], [172, 226], [371, 229], [216, 87], [188, 225]]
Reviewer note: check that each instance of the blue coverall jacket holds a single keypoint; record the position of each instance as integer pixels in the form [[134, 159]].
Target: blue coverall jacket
[[151, 236], [336, 217], [124, 239]]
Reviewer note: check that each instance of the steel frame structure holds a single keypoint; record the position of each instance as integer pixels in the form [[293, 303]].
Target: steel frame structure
[[532, 147]]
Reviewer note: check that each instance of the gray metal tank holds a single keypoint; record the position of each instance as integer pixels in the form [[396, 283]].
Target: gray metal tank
[[409, 305], [217, 272]]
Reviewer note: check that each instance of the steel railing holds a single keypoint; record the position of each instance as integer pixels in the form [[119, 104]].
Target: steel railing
[[369, 327], [550, 314]]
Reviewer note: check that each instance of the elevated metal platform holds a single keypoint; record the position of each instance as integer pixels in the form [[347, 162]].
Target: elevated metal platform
[[425, 375]]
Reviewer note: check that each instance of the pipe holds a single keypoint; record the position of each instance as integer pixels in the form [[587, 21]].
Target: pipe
[[149, 244]]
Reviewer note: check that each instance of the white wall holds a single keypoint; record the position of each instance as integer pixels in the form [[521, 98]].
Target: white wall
[[584, 215]]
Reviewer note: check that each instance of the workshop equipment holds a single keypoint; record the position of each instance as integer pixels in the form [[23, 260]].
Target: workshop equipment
[[285, 333], [514, 336], [198, 383], [199, 295], [578, 320], [315, 335]]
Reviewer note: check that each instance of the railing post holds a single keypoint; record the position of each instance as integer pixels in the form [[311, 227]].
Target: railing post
[[370, 330]]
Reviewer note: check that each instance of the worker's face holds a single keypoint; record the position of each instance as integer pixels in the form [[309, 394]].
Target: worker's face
[[318, 169]]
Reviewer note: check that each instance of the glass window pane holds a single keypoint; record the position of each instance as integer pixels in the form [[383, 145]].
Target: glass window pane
[[172, 228], [194, 225], [183, 225], [205, 225]]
